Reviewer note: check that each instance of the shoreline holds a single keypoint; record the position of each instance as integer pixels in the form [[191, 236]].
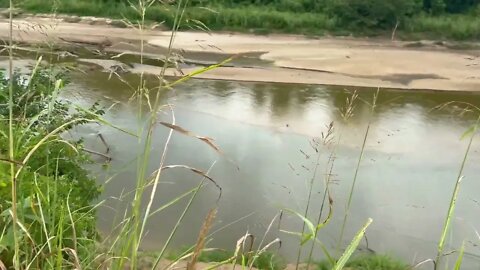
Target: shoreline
[[276, 58]]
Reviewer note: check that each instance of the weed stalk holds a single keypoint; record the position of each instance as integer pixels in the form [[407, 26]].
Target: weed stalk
[[357, 169], [453, 200], [11, 152], [307, 207]]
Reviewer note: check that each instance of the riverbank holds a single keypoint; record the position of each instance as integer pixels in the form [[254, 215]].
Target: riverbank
[[273, 58], [216, 259], [312, 18]]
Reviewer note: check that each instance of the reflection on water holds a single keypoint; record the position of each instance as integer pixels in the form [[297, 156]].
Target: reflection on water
[[405, 182]]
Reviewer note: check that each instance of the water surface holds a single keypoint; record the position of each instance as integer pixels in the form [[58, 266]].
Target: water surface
[[411, 162]]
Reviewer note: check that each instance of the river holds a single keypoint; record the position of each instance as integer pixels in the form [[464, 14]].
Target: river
[[405, 181]]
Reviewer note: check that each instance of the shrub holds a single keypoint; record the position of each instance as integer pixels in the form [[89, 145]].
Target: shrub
[[372, 13], [54, 191], [369, 262]]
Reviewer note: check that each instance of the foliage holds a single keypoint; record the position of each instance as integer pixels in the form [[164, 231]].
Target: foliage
[[369, 262], [450, 6], [458, 27], [54, 191], [266, 260], [434, 6], [311, 17], [417, 18], [378, 14]]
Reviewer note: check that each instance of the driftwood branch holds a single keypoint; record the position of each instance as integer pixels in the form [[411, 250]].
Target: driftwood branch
[[108, 158], [104, 142]]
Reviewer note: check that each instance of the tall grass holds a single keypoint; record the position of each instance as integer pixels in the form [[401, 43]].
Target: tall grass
[[318, 145], [309, 200], [267, 19], [133, 230], [129, 240], [11, 149], [448, 219], [125, 245], [457, 27], [59, 219], [326, 192], [348, 113], [42, 221]]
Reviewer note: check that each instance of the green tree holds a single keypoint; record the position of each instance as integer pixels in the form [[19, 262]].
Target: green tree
[[382, 14], [434, 6], [458, 6]]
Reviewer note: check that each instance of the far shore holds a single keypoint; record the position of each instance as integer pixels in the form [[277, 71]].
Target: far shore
[[276, 58]]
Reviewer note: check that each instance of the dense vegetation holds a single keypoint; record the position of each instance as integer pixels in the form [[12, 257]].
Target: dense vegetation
[[438, 19], [55, 192]]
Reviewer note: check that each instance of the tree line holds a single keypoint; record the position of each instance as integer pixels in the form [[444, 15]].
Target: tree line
[[353, 14], [430, 6], [359, 13]]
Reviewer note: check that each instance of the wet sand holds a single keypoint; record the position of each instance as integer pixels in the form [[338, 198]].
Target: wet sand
[[292, 59]]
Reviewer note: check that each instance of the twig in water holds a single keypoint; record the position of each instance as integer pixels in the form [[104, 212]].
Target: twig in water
[[104, 142], [108, 158]]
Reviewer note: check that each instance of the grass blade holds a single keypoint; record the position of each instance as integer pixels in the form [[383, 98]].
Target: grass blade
[[448, 221], [349, 113], [352, 247], [207, 140], [451, 209], [309, 224], [458, 264]]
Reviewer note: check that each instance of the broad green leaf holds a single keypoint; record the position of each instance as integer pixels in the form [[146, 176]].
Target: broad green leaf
[[352, 247], [200, 71], [309, 224]]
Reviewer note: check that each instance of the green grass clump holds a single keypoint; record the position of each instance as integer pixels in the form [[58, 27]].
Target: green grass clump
[[54, 193], [369, 262], [266, 260], [454, 27], [215, 256]]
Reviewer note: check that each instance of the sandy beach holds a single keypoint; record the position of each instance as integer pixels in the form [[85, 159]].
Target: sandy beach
[[291, 59]]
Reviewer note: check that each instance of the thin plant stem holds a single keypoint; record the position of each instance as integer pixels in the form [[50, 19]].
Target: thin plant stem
[[156, 180], [134, 228], [357, 169], [325, 196], [177, 225], [13, 179], [451, 209], [143, 163], [138, 222], [307, 208]]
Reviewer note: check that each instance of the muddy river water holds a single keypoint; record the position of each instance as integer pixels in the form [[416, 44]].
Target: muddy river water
[[412, 157]]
